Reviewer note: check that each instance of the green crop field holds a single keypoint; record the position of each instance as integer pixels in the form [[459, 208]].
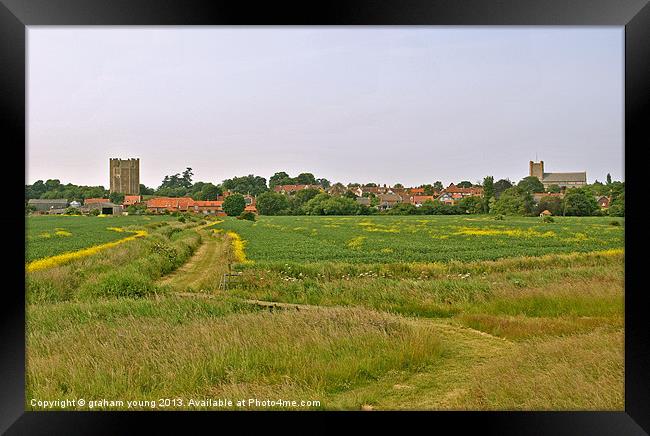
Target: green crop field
[[385, 239], [355, 313], [51, 235]]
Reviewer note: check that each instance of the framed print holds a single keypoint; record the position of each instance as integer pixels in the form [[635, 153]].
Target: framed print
[[366, 210]]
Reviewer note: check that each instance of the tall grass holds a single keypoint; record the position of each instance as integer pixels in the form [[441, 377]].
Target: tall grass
[[124, 271], [299, 355]]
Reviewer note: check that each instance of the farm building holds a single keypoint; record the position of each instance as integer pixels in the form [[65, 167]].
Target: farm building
[[89, 201], [603, 201], [545, 212], [52, 205], [563, 180], [105, 208]]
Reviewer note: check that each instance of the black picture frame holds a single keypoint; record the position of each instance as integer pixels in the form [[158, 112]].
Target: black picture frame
[[15, 15]]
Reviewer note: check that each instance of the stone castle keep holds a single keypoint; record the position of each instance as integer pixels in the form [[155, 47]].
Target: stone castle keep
[[125, 176]]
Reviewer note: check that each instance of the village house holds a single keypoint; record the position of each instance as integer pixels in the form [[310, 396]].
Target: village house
[[376, 190], [388, 201], [131, 200], [207, 207], [364, 201], [337, 189], [418, 200], [452, 194], [169, 204]]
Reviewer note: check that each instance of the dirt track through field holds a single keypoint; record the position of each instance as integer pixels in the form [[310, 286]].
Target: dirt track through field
[[204, 269]]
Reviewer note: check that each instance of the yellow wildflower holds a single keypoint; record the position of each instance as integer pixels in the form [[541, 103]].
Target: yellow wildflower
[[60, 259]]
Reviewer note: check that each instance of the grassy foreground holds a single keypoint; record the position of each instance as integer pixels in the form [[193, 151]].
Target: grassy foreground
[[147, 323]]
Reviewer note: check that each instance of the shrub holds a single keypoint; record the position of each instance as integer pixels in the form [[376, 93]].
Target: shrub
[[124, 284], [181, 219], [95, 212], [250, 216], [614, 223], [548, 219], [234, 204], [499, 217]]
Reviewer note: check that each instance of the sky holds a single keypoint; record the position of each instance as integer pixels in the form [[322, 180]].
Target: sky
[[408, 105]]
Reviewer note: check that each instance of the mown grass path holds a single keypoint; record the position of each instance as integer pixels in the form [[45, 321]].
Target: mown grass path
[[435, 387], [204, 269]]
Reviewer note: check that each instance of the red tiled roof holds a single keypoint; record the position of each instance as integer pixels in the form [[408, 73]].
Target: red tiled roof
[[96, 200], [250, 208], [421, 198], [170, 202], [132, 199], [455, 189], [208, 203]]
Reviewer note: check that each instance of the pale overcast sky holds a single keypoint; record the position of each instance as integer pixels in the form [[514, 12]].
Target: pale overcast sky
[[357, 104]]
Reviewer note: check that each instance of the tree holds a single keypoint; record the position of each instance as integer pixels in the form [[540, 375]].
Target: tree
[[323, 182], [272, 203], [234, 204], [609, 179], [510, 202], [531, 184], [324, 204], [554, 189], [500, 186], [403, 209], [210, 192], [551, 203], [305, 179], [146, 191], [471, 204], [280, 178], [350, 194], [205, 191], [617, 205], [116, 197], [249, 184], [398, 186], [186, 179], [428, 189], [578, 202], [438, 186], [488, 192], [464, 184]]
